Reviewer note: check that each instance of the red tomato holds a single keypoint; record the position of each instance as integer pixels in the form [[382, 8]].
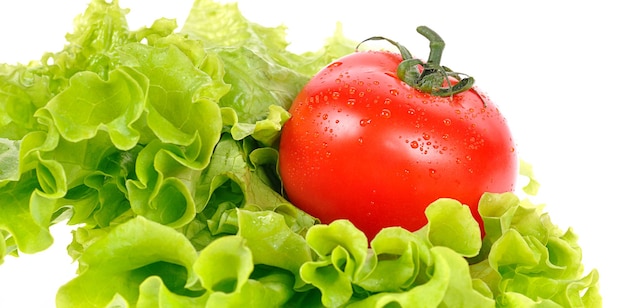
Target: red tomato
[[365, 146]]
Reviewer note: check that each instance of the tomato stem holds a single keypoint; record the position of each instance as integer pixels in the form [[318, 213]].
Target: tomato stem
[[436, 45], [430, 76]]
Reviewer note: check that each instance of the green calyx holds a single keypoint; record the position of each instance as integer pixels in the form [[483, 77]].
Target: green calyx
[[433, 77]]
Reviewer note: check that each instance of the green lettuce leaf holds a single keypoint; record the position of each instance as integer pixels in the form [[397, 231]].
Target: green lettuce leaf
[[114, 105], [234, 286], [526, 170], [431, 274], [30, 234], [240, 176], [124, 267], [120, 261], [528, 261], [223, 25], [258, 64], [447, 217], [273, 242], [9, 160], [531, 257], [22, 91], [449, 286]]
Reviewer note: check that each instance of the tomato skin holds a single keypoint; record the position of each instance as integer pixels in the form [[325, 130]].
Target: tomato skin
[[365, 146]]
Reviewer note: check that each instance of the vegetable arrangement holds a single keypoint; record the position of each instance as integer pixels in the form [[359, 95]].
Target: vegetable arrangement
[[162, 147]]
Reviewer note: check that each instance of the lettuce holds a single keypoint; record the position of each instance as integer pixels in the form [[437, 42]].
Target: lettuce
[[159, 146]]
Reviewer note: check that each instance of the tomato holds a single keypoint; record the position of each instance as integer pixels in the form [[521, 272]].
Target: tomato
[[364, 145]]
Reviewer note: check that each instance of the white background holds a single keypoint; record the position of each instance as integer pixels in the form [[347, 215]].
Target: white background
[[555, 68]]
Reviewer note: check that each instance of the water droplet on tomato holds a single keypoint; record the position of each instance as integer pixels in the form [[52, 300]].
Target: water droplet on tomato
[[336, 121], [445, 136], [426, 136], [336, 95], [325, 116], [360, 140], [351, 102], [364, 122], [324, 144], [468, 157], [385, 113], [352, 90], [414, 144], [361, 94], [433, 173], [447, 122], [387, 101], [327, 154], [336, 64], [338, 80], [411, 111], [394, 92]]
